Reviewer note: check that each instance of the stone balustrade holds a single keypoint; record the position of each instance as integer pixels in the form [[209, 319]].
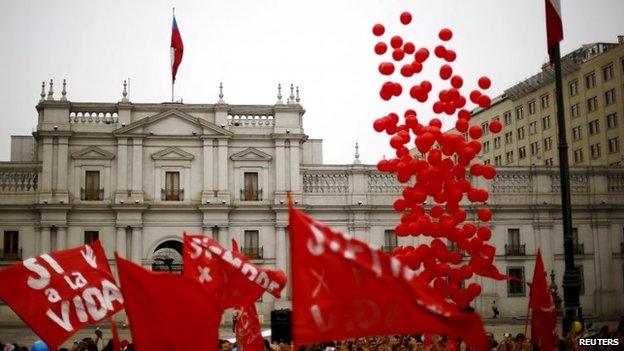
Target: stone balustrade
[[248, 120], [18, 178]]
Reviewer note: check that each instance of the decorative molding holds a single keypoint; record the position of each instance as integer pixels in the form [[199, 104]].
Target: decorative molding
[[167, 114], [251, 154], [92, 153], [172, 153]]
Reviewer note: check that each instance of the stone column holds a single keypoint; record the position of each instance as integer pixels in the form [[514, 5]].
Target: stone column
[[207, 190], [122, 164], [137, 166], [603, 264], [137, 244], [294, 166], [44, 242], [280, 167], [46, 169], [223, 236], [223, 168], [61, 165], [61, 238], [120, 241]]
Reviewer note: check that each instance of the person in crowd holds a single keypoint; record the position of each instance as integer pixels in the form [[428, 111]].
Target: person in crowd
[[495, 310]]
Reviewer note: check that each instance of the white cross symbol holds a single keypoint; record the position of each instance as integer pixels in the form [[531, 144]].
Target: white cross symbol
[[321, 283], [204, 274]]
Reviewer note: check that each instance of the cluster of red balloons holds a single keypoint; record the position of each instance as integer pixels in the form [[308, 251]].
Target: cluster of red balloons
[[436, 183]]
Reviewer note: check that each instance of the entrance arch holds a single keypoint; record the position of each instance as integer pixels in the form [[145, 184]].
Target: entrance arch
[[167, 257]]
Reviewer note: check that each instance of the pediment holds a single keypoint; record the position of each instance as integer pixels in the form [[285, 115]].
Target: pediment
[[172, 122], [173, 153], [251, 154], [92, 153]]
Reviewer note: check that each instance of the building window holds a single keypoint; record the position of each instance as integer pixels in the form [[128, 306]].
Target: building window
[[10, 250], [594, 127], [579, 248], [579, 270], [535, 148], [520, 133], [532, 128], [172, 189], [545, 101], [532, 107], [612, 120], [92, 191], [390, 241], [614, 145], [508, 138], [497, 142], [519, 113], [91, 236], [549, 162], [252, 247], [607, 72], [576, 133], [547, 143], [590, 80], [513, 247], [592, 104], [578, 155], [498, 160], [546, 122], [610, 97], [486, 162], [515, 285], [575, 110], [486, 146], [250, 191], [574, 88], [595, 150], [521, 152], [509, 157], [485, 128], [507, 117]]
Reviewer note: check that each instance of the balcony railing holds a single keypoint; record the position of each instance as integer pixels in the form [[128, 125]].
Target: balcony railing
[[91, 194], [388, 248], [251, 194], [254, 252], [172, 194], [515, 250], [11, 256], [579, 249]]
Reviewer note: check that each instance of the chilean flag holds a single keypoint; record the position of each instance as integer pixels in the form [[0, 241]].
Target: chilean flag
[[554, 26], [177, 48]]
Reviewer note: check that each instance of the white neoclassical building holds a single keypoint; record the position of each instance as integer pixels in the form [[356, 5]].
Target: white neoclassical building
[[137, 175]]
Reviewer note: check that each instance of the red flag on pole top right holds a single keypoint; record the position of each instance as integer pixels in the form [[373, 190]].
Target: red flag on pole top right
[[554, 25]]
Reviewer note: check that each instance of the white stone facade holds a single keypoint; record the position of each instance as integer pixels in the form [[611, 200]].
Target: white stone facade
[[134, 149]]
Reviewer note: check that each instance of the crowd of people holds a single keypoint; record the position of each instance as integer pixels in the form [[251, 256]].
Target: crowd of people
[[508, 342]]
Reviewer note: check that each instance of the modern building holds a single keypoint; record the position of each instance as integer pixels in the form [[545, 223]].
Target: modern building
[[138, 175], [593, 87]]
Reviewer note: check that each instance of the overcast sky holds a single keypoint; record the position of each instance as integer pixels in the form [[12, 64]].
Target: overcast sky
[[325, 47]]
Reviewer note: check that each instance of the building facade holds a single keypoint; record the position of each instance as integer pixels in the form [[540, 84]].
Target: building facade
[[136, 176], [593, 87]]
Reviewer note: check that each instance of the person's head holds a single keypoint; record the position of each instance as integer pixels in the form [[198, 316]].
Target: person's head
[[98, 332], [360, 342], [226, 346], [381, 347], [520, 337]]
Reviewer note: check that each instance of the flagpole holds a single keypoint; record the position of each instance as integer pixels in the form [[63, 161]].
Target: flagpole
[[172, 58], [571, 284]]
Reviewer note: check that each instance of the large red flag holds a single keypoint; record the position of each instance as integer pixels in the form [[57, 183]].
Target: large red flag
[[177, 49], [343, 288], [554, 25], [543, 314], [230, 275], [57, 294], [168, 312]]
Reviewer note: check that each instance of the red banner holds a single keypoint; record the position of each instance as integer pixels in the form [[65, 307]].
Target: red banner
[[248, 333], [57, 294], [543, 314], [343, 288], [230, 275]]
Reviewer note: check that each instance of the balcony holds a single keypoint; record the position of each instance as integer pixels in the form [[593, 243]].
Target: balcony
[[172, 194], [388, 248], [11, 256], [251, 194], [91, 194], [579, 249], [253, 253], [515, 250]]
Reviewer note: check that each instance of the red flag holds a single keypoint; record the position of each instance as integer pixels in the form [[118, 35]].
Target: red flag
[[554, 25], [116, 344], [230, 275], [167, 311], [177, 49], [343, 288], [59, 293], [543, 314]]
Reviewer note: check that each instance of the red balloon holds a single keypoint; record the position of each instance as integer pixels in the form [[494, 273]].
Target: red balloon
[[489, 172], [409, 48], [474, 96], [484, 214], [435, 122], [484, 233], [438, 107], [415, 91], [484, 82], [475, 132], [380, 48], [417, 66], [399, 205], [421, 55], [426, 85], [445, 34], [495, 126], [396, 42], [436, 211], [406, 18], [464, 114], [386, 68], [457, 82], [445, 72], [393, 117], [484, 101], [379, 125], [407, 70], [398, 54], [450, 56], [378, 29], [440, 51]]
